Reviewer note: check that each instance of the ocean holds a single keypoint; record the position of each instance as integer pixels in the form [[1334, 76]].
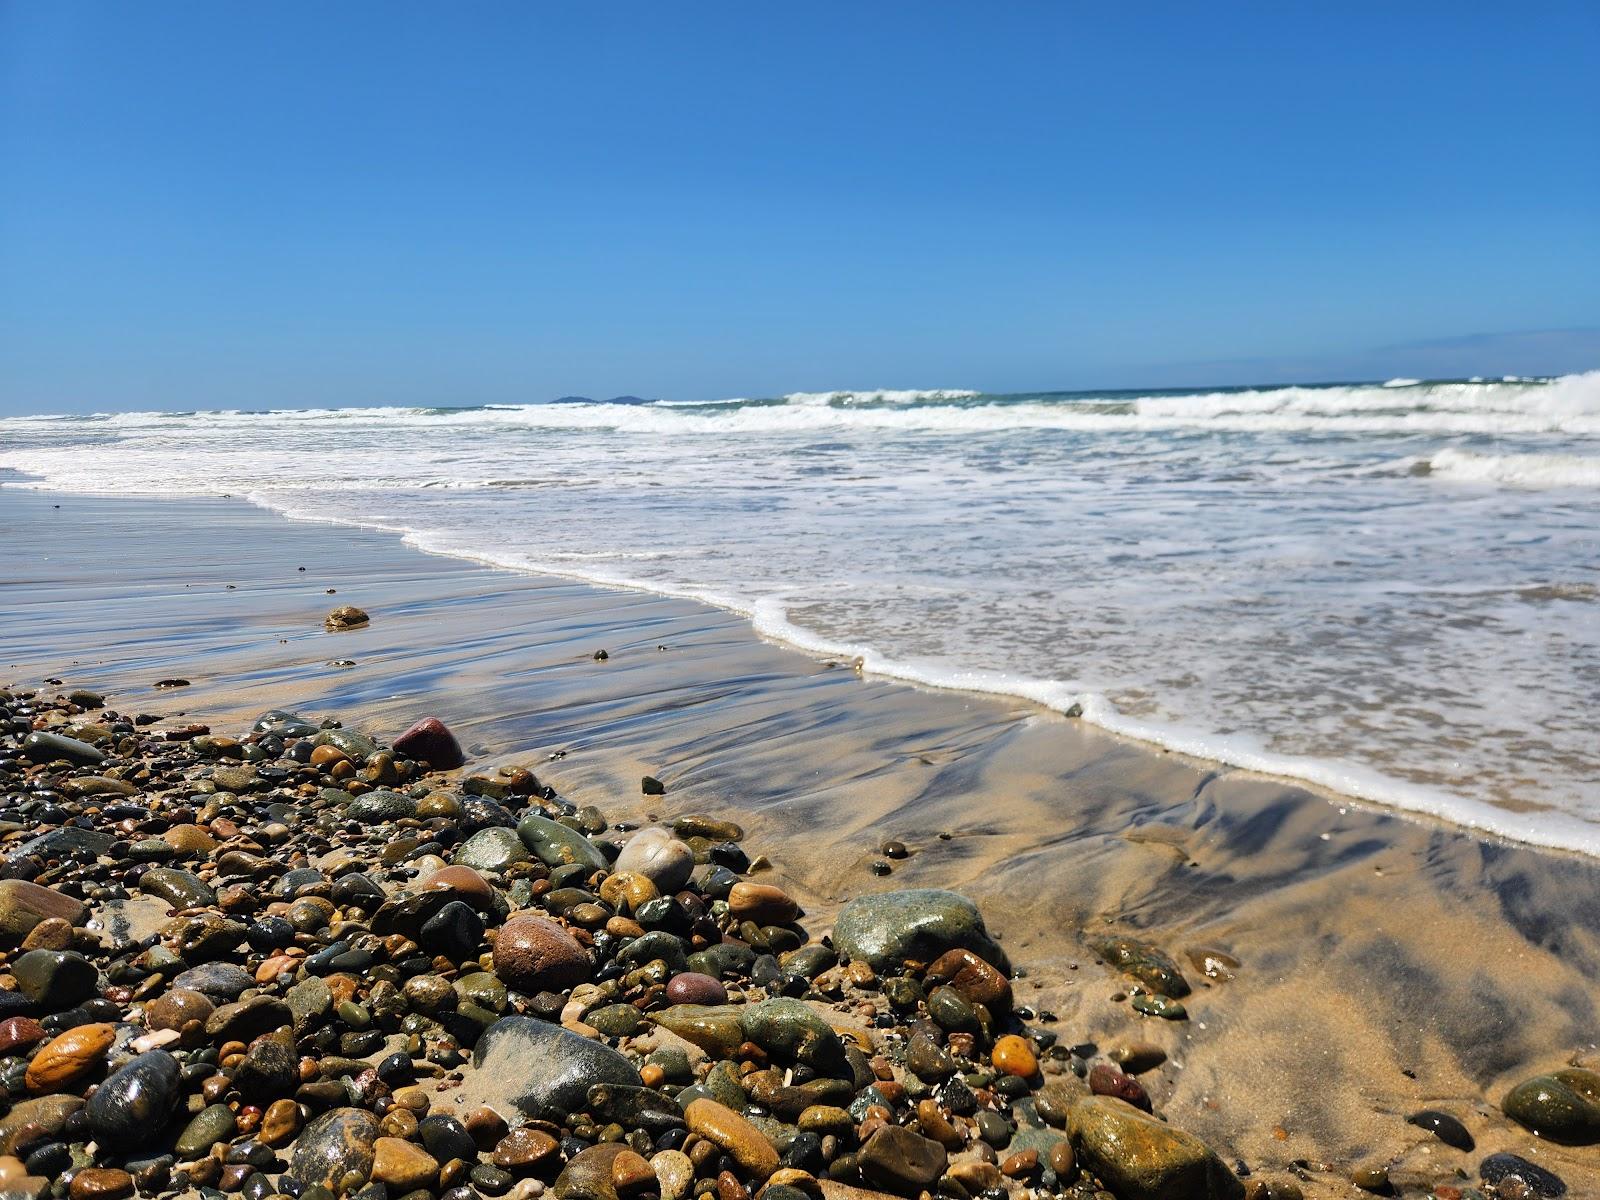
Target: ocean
[[1389, 590]]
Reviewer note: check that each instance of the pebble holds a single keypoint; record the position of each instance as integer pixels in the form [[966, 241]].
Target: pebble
[[534, 954], [69, 1057], [1137, 1057], [176, 1007], [338, 1144], [1444, 1127], [136, 1100], [972, 978], [522, 1150], [1498, 1170], [346, 616], [1142, 1158], [901, 1160], [888, 929], [100, 1183], [538, 1068], [658, 856], [24, 905], [280, 1122], [55, 979], [1012, 1055], [212, 1124], [762, 903], [18, 1034], [1144, 962], [1106, 1080], [371, 970], [402, 1165], [431, 740], [725, 1128], [1563, 1106]]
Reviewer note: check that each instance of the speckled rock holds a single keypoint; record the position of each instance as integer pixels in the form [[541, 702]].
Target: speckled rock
[[1563, 1106], [334, 1145], [1144, 962], [541, 1068], [493, 850], [1142, 1158], [556, 845], [889, 928]]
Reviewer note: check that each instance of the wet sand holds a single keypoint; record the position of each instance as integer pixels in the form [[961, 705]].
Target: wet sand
[[1387, 964]]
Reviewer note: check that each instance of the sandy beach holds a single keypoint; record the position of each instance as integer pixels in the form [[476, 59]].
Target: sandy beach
[[1387, 965]]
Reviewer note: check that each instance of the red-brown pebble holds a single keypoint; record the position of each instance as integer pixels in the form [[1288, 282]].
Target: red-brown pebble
[[1106, 1080], [972, 978], [101, 1183], [523, 1149], [18, 1034], [533, 954], [762, 903], [691, 987]]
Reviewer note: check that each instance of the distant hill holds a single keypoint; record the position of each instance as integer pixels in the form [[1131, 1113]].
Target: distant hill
[[589, 400]]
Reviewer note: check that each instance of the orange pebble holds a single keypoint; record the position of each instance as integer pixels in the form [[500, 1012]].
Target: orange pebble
[[652, 1075], [1014, 1056]]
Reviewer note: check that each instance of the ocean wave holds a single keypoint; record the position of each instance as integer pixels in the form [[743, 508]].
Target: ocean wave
[[1515, 470], [770, 617], [1568, 397], [880, 396], [1569, 404], [1145, 571]]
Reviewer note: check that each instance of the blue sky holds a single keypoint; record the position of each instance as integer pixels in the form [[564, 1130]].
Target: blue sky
[[207, 205]]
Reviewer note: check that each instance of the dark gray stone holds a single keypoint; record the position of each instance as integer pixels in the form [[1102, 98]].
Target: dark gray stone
[[886, 929], [135, 1102], [544, 1068]]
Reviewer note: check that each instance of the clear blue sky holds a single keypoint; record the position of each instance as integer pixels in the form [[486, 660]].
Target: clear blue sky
[[215, 204]]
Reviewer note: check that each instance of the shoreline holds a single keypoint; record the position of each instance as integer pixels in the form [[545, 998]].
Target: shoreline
[[1337, 782], [1387, 964]]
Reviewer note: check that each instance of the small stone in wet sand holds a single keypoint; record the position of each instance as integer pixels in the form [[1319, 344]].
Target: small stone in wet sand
[[346, 616], [430, 741], [1444, 1127]]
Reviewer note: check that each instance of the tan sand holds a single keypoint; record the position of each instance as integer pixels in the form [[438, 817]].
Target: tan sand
[[1388, 964]]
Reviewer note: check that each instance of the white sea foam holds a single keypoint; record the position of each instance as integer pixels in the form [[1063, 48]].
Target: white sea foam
[[879, 396], [1517, 470], [1376, 589], [768, 616]]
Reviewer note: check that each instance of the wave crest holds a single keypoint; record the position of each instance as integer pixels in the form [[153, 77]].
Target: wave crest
[[1516, 470]]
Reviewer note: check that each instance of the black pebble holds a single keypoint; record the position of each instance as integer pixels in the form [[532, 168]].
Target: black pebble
[[1444, 1127], [1499, 1167]]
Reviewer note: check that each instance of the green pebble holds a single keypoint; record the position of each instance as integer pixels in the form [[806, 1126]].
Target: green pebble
[[1160, 1006]]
